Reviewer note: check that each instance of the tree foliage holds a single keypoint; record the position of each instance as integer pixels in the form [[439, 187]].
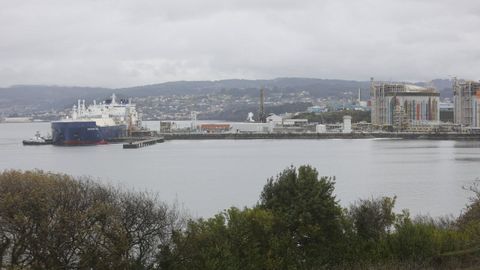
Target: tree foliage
[[309, 218], [52, 221], [55, 221], [233, 239], [299, 224], [373, 219]]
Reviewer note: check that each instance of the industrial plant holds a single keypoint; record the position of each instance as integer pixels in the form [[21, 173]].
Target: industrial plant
[[272, 123], [466, 97], [394, 107], [404, 106]]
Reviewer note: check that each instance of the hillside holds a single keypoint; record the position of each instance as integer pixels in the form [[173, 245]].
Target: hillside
[[28, 99]]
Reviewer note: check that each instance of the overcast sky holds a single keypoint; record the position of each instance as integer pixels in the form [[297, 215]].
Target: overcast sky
[[119, 43]]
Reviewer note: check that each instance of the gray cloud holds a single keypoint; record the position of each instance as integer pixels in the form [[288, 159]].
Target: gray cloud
[[118, 43]]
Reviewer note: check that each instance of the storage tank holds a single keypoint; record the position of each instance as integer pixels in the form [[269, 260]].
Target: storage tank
[[321, 128], [347, 124]]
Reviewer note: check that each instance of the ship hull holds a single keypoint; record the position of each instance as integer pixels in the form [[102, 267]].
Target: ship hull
[[85, 133]]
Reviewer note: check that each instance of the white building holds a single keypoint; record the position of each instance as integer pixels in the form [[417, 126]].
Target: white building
[[238, 127], [275, 119]]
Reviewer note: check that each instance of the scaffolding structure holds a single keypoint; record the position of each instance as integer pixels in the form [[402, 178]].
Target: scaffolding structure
[[402, 106], [466, 98]]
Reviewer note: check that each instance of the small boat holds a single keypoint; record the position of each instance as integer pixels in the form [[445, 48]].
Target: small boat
[[37, 140]]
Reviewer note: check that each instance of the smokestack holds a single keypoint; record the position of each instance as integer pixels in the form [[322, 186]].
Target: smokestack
[[261, 110]]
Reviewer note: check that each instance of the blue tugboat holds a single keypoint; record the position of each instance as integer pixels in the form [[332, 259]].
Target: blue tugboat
[[97, 123]]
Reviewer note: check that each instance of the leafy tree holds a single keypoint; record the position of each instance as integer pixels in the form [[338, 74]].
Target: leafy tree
[[205, 245], [234, 239], [54, 221], [308, 217], [414, 241], [373, 218], [370, 222]]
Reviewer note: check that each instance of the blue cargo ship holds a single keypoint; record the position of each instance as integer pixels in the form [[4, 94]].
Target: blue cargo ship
[[97, 123]]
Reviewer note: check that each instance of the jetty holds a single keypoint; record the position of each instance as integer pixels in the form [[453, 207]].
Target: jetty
[[143, 143]]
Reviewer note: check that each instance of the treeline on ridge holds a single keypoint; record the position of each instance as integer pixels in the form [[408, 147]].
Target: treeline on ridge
[[55, 221]]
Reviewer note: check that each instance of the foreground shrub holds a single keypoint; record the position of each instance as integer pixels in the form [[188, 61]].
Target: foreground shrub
[[54, 221], [371, 221], [234, 239], [298, 224], [309, 219]]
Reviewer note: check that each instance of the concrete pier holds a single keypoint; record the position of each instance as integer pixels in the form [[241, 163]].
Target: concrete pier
[[142, 143]]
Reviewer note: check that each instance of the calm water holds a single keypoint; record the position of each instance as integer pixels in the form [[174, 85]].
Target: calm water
[[208, 176]]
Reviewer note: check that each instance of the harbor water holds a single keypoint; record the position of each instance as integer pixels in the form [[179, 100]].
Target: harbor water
[[207, 176]]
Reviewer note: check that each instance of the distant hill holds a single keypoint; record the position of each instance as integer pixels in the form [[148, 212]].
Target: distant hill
[[22, 99], [32, 98], [317, 87]]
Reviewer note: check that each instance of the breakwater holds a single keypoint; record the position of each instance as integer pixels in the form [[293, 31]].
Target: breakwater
[[254, 136]]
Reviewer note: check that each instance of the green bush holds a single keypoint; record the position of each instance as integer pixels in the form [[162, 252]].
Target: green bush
[[234, 239], [423, 242], [309, 218]]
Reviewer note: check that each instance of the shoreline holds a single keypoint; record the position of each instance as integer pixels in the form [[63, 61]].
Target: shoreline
[[311, 136]]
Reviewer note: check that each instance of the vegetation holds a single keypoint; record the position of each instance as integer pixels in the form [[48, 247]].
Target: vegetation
[[53, 221], [240, 112], [336, 117]]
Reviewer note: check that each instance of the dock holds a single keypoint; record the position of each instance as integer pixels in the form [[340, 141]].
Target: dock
[[143, 143]]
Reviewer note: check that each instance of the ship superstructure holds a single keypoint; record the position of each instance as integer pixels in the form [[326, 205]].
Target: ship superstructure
[[98, 123]]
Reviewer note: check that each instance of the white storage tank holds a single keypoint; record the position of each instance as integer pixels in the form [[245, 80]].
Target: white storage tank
[[321, 128], [347, 124]]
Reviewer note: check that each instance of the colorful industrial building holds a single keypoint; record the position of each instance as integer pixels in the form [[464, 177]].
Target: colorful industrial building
[[466, 99], [403, 106]]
